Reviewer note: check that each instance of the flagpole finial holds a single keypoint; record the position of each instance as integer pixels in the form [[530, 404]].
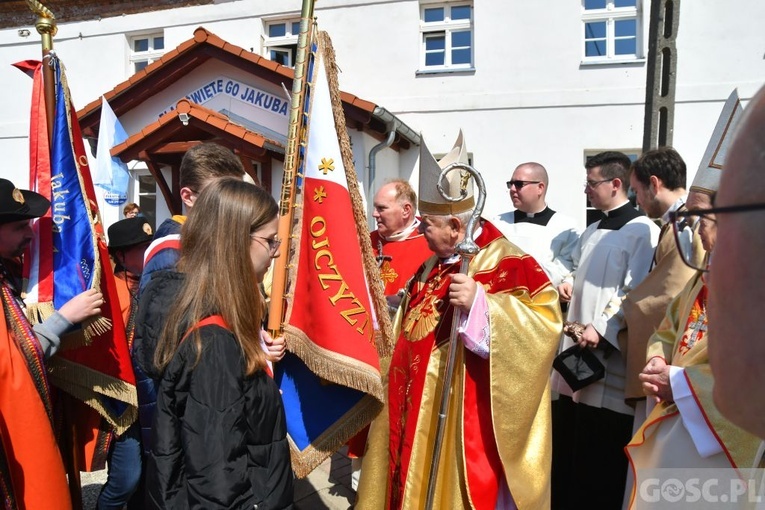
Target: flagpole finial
[[46, 21], [46, 27]]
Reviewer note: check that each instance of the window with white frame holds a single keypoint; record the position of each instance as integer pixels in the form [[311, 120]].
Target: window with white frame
[[145, 194], [612, 30], [280, 42], [145, 49], [446, 36]]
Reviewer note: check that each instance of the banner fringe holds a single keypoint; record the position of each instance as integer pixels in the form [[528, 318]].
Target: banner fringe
[[88, 386], [96, 327], [358, 417], [337, 369], [38, 312]]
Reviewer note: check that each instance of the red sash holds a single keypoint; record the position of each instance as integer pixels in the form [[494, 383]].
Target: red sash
[[218, 320]]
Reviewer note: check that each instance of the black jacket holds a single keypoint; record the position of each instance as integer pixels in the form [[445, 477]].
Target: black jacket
[[219, 438], [153, 306]]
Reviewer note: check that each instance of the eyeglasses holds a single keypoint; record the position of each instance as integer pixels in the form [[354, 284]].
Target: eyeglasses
[[520, 184], [594, 184], [684, 221], [272, 243]]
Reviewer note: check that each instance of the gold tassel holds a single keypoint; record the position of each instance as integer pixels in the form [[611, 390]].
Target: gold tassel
[[38, 312], [89, 385], [332, 367], [95, 327]]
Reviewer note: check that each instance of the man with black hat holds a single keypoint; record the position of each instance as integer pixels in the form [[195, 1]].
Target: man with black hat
[[32, 474], [128, 240]]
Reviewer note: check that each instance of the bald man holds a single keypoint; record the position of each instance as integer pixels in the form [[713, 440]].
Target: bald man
[[548, 236], [737, 273]]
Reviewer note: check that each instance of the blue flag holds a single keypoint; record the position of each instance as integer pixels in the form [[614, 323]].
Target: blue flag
[[74, 247]]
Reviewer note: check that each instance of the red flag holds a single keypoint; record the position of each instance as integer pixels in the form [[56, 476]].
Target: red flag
[[331, 382], [38, 261], [94, 367]]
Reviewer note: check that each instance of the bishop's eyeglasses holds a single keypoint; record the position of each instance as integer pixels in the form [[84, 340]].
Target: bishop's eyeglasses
[[684, 221]]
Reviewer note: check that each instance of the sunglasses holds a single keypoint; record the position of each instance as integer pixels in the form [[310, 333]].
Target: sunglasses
[[520, 184]]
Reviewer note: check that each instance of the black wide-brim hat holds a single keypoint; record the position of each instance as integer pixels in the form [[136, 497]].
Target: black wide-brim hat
[[129, 232], [18, 204]]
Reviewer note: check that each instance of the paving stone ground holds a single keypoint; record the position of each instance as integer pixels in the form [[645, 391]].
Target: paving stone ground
[[328, 487]]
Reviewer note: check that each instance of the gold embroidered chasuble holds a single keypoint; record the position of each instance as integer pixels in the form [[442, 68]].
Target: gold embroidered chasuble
[[499, 415], [663, 441]]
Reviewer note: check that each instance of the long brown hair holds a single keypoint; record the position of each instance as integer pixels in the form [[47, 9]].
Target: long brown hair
[[219, 277]]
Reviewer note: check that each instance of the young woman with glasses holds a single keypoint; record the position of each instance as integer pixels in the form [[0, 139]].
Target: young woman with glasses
[[220, 438]]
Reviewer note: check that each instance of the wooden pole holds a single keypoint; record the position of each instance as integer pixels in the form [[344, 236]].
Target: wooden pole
[[294, 141]]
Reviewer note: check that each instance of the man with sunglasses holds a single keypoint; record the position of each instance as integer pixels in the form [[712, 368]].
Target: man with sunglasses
[[591, 426], [548, 236]]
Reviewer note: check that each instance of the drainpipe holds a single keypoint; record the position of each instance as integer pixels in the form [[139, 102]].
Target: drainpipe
[[373, 169]]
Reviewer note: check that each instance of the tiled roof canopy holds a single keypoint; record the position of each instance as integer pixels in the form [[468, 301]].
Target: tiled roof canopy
[[165, 141], [177, 63], [199, 119]]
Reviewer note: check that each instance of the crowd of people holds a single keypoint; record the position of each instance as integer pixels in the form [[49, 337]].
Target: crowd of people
[[661, 303]]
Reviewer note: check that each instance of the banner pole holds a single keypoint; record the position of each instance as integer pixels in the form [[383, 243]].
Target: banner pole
[[46, 27], [294, 140]]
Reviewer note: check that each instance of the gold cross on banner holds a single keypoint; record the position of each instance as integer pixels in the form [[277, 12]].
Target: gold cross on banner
[[327, 165], [319, 194]]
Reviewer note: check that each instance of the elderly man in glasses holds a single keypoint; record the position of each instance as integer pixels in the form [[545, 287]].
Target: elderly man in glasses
[[592, 425], [737, 294], [686, 429], [546, 235]]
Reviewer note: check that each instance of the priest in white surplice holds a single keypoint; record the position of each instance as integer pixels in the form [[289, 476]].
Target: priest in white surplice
[[548, 236], [592, 426]]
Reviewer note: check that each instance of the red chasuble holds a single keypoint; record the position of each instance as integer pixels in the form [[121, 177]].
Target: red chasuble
[[398, 260]]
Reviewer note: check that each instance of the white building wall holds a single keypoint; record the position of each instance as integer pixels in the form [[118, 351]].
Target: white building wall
[[529, 97]]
